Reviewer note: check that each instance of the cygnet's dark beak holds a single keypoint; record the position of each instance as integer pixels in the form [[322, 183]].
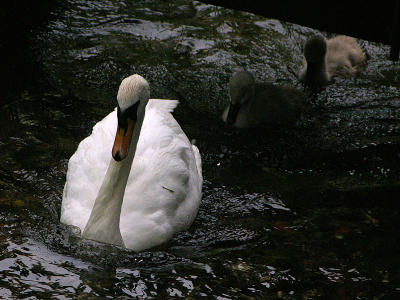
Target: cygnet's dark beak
[[232, 113]]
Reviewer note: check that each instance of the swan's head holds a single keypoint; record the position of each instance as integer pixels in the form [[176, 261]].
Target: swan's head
[[132, 91], [241, 90], [315, 49]]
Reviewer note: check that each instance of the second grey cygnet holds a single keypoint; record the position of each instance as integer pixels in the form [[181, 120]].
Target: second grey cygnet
[[254, 104], [324, 59]]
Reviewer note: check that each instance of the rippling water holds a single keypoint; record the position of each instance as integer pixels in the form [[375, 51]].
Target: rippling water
[[302, 213]]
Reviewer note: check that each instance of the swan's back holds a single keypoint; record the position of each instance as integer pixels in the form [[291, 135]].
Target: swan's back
[[345, 57], [163, 192], [282, 105], [271, 105]]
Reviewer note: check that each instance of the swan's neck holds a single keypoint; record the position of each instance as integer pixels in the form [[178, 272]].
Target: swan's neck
[[317, 72], [103, 223]]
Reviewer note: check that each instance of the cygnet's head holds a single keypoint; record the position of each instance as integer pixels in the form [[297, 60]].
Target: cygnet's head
[[241, 90], [315, 49], [132, 91], [241, 87]]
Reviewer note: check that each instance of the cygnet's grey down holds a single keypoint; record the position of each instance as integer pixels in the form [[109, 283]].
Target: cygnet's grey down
[[256, 104], [338, 56]]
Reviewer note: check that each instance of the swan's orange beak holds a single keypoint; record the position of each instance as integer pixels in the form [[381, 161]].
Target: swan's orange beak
[[122, 141]]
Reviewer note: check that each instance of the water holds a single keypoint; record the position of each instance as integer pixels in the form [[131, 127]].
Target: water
[[307, 212]]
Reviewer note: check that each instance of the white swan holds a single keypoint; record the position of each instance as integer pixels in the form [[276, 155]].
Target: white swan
[[341, 56], [143, 206], [254, 104]]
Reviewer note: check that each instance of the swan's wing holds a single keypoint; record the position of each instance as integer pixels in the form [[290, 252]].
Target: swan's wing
[[86, 170], [159, 126], [164, 188]]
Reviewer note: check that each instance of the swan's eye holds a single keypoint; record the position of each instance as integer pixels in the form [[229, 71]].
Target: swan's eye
[[129, 113]]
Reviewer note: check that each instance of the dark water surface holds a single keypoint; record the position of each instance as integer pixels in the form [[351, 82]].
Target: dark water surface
[[309, 212]]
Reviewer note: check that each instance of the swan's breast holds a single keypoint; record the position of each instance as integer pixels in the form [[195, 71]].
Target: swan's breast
[[86, 170]]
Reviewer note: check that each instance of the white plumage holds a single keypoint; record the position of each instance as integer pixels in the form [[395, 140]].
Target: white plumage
[[163, 190]]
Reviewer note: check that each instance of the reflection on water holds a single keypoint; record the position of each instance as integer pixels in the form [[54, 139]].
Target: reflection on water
[[306, 212]]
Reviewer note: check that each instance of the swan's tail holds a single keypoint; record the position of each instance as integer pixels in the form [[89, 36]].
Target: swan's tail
[[165, 104], [197, 158]]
